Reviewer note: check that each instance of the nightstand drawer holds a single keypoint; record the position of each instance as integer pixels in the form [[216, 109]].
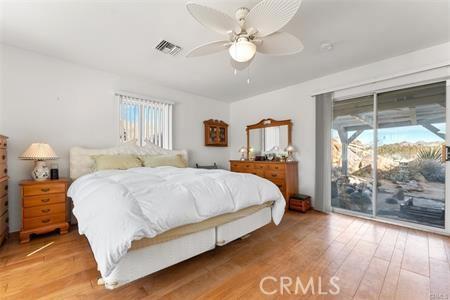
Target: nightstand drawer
[[3, 204], [38, 211], [44, 200], [30, 223], [3, 170], [45, 188], [3, 188]]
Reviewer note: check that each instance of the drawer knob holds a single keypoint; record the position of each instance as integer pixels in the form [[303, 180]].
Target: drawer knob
[[274, 175], [6, 203], [45, 200], [6, 187], [3, 157], [45, 210], [5, 144], [5, 170], [45, 221], [45, 190]]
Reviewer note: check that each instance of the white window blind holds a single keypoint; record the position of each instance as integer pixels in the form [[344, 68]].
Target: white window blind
[[145, 121]]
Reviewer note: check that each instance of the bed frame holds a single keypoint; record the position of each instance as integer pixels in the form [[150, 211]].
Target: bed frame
[[144, 261]]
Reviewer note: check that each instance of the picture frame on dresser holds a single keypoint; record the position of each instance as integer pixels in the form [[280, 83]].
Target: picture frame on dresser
[[4, 216]]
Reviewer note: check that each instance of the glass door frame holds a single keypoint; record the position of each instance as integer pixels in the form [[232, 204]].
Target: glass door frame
[[374, 93]]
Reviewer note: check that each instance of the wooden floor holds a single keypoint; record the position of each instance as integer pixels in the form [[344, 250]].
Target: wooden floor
[[371, 260]]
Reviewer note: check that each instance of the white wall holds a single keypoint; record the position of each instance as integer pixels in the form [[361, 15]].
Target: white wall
[[295, 102], [63, 104]]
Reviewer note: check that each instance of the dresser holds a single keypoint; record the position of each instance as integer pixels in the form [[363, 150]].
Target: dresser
[[283, 174], [44, 207], [3, 190]]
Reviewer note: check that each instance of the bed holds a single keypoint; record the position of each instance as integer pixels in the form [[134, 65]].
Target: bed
[[141, 220]]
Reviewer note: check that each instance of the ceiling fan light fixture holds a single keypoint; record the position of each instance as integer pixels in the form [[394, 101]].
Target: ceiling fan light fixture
[[242, 50]]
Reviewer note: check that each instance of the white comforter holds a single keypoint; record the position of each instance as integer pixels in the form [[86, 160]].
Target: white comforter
[[115, 207]]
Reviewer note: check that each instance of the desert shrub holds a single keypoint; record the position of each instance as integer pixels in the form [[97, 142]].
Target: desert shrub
[[432, 170], [429, 153]]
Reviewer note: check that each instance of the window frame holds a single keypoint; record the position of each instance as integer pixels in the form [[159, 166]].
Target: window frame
[[142, 100]]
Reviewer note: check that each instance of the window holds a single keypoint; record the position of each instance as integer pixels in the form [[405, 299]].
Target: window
[[145, 121]]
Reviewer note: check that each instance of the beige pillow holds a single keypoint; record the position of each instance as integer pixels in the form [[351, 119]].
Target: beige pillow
[[173, 160], [117, 162]]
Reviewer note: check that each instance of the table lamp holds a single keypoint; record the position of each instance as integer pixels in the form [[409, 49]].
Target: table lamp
[[243, 151], [39, 153], [290, 150]]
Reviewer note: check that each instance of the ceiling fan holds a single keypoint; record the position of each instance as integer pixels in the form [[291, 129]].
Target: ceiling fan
[[252, 30]]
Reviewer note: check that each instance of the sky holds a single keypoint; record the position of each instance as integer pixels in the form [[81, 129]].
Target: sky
[[410, 134]]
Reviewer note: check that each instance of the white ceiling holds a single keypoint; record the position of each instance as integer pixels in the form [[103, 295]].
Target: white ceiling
[[120, 36]]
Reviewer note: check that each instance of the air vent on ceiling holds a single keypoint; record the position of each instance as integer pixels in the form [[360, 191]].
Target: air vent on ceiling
[[168, 48]]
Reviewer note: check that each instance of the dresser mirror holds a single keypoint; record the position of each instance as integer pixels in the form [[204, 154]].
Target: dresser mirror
[[268, 137]]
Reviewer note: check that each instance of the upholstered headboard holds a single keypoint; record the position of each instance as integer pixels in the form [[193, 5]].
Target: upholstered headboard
[[81, 162]]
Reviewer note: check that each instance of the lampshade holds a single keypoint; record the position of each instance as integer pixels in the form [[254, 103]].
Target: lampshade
[[38, 151], [242, 50], [290, 148], [243, 149]]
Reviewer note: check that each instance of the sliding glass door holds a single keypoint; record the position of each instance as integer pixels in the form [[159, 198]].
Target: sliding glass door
[[392, 141], [352, 155]]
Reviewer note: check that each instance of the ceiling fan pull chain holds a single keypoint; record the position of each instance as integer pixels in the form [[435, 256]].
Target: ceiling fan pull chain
[[248, 75]]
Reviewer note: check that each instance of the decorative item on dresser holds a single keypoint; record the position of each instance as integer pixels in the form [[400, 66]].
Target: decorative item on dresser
[[216, 133], [44, 207], [39, 153], [3, 190]]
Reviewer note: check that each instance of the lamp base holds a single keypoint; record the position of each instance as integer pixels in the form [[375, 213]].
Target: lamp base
[[290, 157], [40, 171]]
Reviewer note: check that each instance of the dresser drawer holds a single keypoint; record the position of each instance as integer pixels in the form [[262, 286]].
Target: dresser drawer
[[274, 174], [280, 184], [3, 222], [236, 167], [3, 204], [3, 188], [276, 167], [43, 189], [3, 142], [257, 172], [43, 200], [3, 156], [258, 166], [3, 170], [30, 223], [38, 211]]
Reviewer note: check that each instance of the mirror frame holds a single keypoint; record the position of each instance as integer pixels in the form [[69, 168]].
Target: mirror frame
[[264, 123]]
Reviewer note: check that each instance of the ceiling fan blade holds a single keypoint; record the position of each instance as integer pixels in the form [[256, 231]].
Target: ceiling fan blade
[[280, 43], [269, 16], [212, 19], [209, 48]]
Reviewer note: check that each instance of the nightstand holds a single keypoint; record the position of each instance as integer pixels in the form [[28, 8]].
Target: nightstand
[[44, 207]]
